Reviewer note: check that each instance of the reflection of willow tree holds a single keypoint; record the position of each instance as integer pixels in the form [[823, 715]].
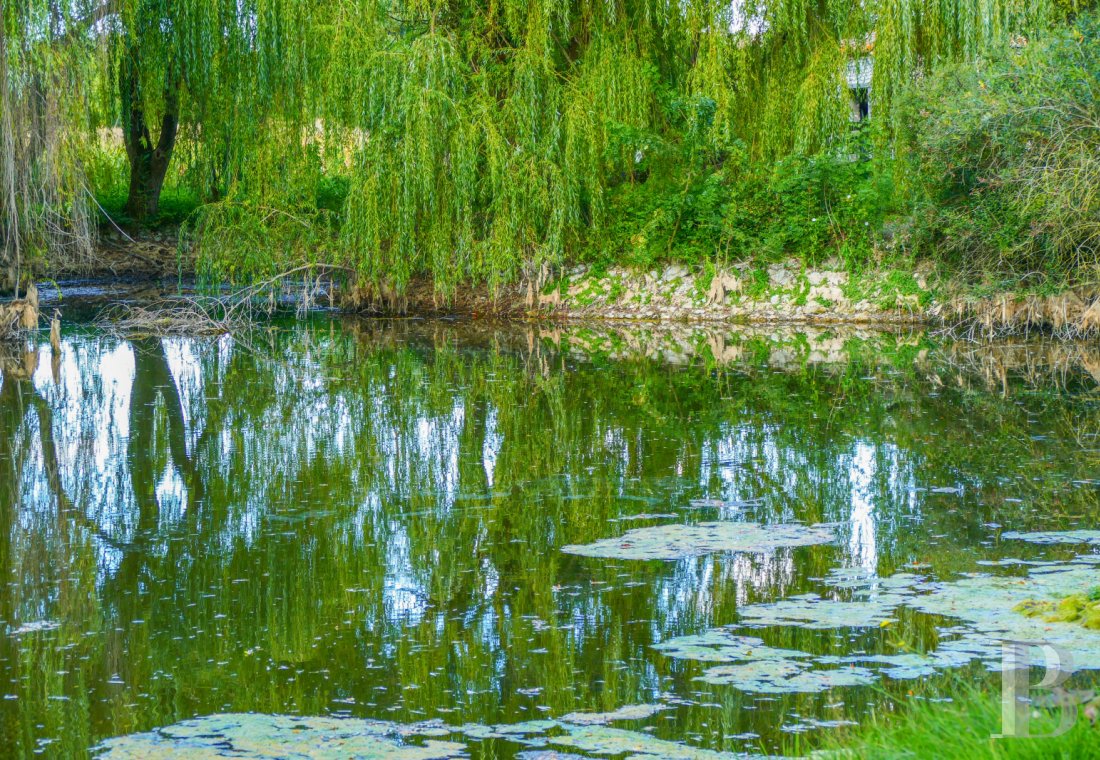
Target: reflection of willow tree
[[46, 548], [372, 511]]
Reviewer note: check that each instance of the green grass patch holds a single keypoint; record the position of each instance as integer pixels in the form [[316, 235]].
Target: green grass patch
[[960, 729]]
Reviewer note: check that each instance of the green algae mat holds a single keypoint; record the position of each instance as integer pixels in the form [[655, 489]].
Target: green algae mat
[[417, 539]]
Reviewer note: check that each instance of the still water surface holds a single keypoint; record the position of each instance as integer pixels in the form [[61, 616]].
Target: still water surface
[[367, 518]]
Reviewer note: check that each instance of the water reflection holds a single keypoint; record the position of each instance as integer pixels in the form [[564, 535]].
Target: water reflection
[[365, 518]]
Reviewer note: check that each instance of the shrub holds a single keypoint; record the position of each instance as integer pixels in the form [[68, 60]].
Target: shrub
[[1004, 157]]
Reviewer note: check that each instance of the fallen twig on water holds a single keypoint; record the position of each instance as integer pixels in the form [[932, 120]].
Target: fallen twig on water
[[204, 315], [183, 315]]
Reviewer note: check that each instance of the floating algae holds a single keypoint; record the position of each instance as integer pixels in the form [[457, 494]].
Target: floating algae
[[880, 597], [601, 740], [628, 712], [986, 602], [772, 670], [785, 676], [982, 603], [1056, 537], [260, 737], [1083, 609], [813, 611], [277, 736], [517, 732], [722, 645], [670, 542]]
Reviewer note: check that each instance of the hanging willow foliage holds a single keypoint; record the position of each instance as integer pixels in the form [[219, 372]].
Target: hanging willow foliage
[[44, 130], [478, 141]]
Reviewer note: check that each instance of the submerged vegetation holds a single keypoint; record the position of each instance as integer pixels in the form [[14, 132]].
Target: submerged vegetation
[[493, 143]]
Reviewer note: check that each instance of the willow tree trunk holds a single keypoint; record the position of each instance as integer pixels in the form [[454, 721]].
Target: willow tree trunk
[[148, 161]]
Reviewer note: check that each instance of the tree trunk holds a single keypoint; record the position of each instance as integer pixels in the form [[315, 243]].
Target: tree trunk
[[148, 161]]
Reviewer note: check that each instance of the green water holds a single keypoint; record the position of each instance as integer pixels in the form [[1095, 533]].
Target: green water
[[366, 519]]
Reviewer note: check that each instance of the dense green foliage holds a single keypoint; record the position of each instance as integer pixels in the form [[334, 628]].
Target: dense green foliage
[[491, 142], [1006, 158]]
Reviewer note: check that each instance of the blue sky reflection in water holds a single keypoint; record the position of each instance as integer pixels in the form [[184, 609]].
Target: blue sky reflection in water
[[366, 519]]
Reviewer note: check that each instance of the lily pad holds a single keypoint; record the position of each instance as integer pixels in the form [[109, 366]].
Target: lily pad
[[902, 666], [863, 580], [517, 732], [259, 737], [602, 740], [986, 602], [982, 603], [670, 542], [722, 645], [813, 611], [627, 712], [785, 676]]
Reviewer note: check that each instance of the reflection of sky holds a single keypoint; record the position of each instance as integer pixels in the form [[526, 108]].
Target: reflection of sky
[[91, 422], [405, 597], [861, 476], [410, 507], [490, 450]]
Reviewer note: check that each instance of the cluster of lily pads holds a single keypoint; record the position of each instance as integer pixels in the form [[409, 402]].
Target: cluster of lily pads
[[263, 737], [989, 609]]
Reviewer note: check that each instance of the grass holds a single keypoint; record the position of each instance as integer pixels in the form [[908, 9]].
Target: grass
[[176, 204], [960, 729]]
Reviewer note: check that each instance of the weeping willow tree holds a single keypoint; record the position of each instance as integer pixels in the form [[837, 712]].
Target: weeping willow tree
[[479, 141], [212, 78], [475, 141]]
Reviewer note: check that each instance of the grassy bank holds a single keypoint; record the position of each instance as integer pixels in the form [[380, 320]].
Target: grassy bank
[[960, 729]]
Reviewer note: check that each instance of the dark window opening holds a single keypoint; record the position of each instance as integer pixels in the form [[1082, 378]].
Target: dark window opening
[[862, 97]]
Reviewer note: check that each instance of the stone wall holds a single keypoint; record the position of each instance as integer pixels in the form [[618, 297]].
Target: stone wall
[[776, 293], [790, 293]]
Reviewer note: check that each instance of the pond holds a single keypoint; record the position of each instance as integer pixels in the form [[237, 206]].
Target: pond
[[444, 539]]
